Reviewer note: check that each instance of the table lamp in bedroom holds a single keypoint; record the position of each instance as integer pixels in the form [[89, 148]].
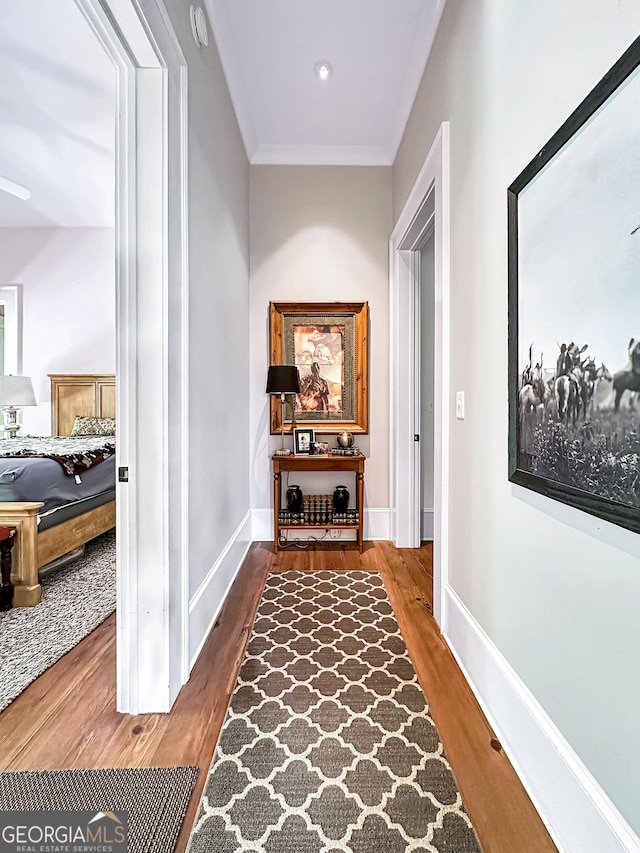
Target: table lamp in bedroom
[[15, 392], [283, 379]]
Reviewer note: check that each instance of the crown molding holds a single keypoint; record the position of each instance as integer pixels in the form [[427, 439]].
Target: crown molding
[[334, 155], [416, 64], [321, 155], [223, 37]]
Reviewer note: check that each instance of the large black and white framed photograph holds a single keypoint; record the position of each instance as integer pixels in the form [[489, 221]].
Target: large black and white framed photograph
[[574, 306]]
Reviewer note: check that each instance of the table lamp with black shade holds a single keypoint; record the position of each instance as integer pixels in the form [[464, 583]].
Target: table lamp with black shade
[[283, 379]]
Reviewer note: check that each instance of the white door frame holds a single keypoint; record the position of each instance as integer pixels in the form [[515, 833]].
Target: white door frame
[[151, 330], [426, 210], [11, 298]]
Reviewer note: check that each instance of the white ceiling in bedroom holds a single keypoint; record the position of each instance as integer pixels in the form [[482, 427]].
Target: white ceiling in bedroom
[[57, 117], [378, 50]]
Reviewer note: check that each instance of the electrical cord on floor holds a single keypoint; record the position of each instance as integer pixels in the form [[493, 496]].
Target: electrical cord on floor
[[303, 544]]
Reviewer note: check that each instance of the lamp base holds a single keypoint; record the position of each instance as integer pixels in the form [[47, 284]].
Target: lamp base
[[282, 451], [10, 426]]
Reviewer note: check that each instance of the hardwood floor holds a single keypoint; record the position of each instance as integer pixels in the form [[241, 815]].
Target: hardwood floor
[[66, 718]]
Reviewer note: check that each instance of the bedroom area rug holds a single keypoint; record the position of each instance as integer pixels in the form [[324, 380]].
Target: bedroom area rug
[[328, 744], [155, 800], [75, 600]]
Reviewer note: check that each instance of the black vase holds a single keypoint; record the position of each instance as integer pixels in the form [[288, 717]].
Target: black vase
[[341, 499], [294, 498]]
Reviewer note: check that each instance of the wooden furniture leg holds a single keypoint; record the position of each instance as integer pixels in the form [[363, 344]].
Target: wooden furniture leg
[[22, 516], [276, 509], [34, 550], [360, 505], [6, 587]]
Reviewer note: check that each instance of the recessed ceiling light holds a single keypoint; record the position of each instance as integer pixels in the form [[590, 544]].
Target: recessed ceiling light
[[323, 69]]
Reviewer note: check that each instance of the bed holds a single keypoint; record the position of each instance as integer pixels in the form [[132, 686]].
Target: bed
[[60, 513]]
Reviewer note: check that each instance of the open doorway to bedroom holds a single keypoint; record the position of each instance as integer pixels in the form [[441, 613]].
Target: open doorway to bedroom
[[151, 281], [58, 346], [57, 245]]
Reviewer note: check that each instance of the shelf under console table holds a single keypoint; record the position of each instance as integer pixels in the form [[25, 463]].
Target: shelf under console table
[[338, 464]]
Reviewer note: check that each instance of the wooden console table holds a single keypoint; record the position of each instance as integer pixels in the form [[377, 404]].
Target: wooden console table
[[354, 464]]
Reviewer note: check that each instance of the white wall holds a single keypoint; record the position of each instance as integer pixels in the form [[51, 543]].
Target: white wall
[[556, 590], [218, 333], [320, 233], [68, 292]]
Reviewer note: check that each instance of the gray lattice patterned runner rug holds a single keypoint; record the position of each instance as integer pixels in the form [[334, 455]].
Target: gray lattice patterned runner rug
[[328, 744], [155, 799], [75, 600]]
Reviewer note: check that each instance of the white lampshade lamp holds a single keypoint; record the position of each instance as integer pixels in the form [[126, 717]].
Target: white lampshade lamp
[[15, 392]]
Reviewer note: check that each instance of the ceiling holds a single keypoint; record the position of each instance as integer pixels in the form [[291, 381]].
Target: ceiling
[[57, 101], [57, 97], [378, 50]]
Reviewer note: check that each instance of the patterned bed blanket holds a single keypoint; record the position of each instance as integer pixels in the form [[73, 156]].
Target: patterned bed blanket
[[75, 453]]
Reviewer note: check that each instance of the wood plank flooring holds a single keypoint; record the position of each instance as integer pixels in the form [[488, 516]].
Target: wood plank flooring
[[67, 718]]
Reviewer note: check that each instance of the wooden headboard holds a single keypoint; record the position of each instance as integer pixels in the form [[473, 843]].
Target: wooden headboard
[[80, 394]]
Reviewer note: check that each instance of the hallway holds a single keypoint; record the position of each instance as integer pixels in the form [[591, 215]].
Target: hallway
[[66, 718]]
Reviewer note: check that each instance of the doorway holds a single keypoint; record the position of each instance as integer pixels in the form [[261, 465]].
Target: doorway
[[151, 275], [425, 216], [151, 285], [426, 296]]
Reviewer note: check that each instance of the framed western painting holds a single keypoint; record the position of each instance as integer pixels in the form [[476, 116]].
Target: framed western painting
[[328, 342], [574, 306]]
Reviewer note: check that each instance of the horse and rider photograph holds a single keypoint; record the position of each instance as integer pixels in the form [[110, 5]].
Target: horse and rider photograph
[[328, 342], [574, 309], [580, 424], [319, 357]]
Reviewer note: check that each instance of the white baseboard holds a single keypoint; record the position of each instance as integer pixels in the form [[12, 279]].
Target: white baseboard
[[377, 524], [577, 812], [262, 525], [207, 601], [426, 529]]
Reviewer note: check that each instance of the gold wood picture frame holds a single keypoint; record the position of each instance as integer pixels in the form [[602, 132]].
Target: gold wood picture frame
[[329, 344]]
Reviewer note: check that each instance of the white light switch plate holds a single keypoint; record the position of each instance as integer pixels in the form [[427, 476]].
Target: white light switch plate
[[460, 405]]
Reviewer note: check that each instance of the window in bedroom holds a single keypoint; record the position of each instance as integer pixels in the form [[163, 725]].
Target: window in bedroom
[[1, 337], [11, 329]]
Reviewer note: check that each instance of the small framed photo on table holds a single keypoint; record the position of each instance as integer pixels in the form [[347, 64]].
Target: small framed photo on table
[[319, 447], [303, 439]]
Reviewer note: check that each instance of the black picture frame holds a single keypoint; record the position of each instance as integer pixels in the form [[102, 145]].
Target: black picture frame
[[303, 439], [563, 443]]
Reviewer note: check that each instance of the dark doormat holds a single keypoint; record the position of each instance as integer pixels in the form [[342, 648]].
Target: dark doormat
[[155, 798], [328, 744]]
